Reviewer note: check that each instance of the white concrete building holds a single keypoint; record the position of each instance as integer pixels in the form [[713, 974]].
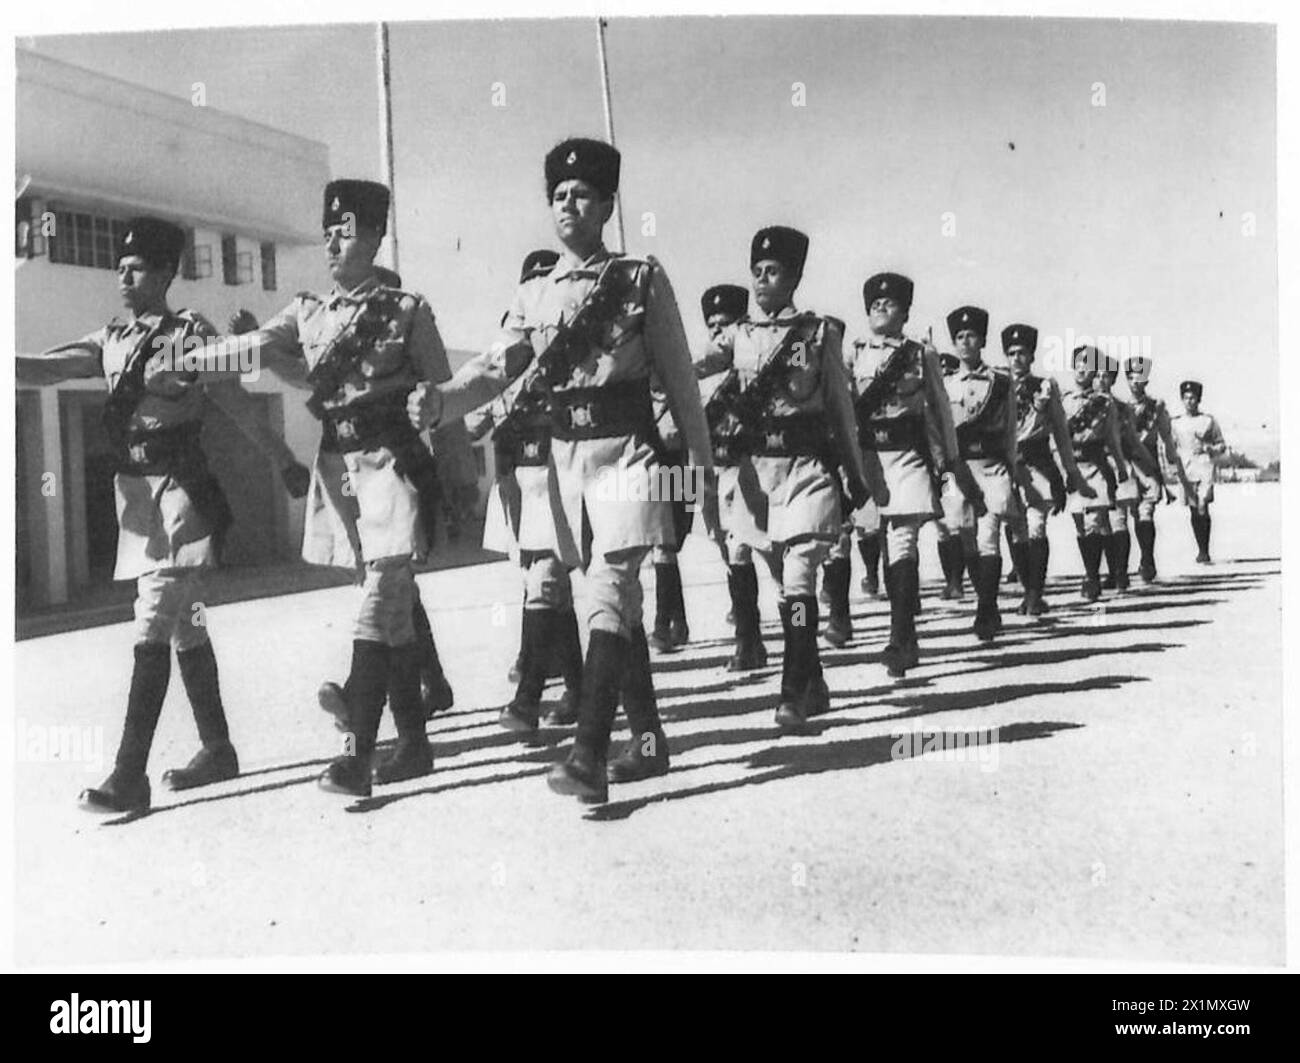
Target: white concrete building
[[93, 151]]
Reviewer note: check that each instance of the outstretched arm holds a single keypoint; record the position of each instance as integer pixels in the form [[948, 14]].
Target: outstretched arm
[[78, 360]]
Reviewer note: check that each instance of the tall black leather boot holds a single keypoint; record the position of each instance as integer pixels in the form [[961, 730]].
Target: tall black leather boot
[[1020, 565], [799, 623], [1017, 572], [583, 773], [522, 713], [951, 560], [1109, 548], [839, 627], [988, 578], [1201, 530], [412, 756], [869, 548], [1091, 546], [1123, 550], [216, 760], [1145, 531], [646, 753], [902, 652], [568, 650], [366, 690], [665, 603], [127, 787], [750, 652]]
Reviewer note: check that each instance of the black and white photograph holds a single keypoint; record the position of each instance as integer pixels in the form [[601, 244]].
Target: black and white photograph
[[703, 484]]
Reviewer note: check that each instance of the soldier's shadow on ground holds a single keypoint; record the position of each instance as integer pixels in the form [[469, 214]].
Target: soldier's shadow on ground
[[534, 757], [790, 761]]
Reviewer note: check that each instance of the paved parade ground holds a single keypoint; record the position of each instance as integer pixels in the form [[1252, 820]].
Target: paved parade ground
[[1123, 798]]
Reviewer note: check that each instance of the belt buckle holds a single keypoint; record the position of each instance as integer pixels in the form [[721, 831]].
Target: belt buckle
[[345, 429], [776, 440], [881, 435], [532, 449], [581, 416], [138, 453]]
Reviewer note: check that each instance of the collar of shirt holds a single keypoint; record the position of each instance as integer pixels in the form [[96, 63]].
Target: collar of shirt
[[877, 341], [570, 265], [965, 371], [338, 295], [144, 322], [783, 316]]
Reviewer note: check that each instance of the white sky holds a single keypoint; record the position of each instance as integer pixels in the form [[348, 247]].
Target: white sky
[[1123, 219]]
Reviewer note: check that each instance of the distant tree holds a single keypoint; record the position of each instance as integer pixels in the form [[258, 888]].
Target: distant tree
[[1234, 459]]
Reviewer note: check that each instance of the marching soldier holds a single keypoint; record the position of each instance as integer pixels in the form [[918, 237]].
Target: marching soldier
[[1141, 462], [362, 348], [904, 421], [589, 336], [1153, 426], [1099, 453], [984, 413], [722, 306], [1198, 442], [171, 511], [790, 395], [436, 694], [522, 526], [1041, 488]]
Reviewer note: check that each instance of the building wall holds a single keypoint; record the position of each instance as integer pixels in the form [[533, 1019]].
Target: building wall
[[78, 137]]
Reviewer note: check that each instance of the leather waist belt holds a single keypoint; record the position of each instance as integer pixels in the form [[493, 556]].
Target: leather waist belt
[[893, 433], [603, 412], [368, 426], [803, 435], [522, 444], [1091, 452], [161, 451], [980, 446]]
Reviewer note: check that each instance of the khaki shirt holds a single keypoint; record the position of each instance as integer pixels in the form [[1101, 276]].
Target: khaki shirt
[[646, 340], [816, 384], [967, 389], [292, 343], [921, 391]]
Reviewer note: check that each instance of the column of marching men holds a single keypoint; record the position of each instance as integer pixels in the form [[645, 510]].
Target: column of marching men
[[791, 442]]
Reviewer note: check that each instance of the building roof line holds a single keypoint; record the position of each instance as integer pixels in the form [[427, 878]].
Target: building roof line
[[92, 197], [32, 59]]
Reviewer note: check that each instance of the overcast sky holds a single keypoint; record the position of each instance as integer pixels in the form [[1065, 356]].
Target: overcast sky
[[1091, 178]]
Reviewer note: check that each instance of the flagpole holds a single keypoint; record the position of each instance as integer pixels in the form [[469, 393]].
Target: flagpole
[[609, 125], [386, 137]]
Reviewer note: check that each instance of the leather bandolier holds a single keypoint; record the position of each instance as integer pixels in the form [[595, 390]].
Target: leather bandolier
[[739, 416], [1086, 425], [983, 433], [906, 431], [1036, 453]]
